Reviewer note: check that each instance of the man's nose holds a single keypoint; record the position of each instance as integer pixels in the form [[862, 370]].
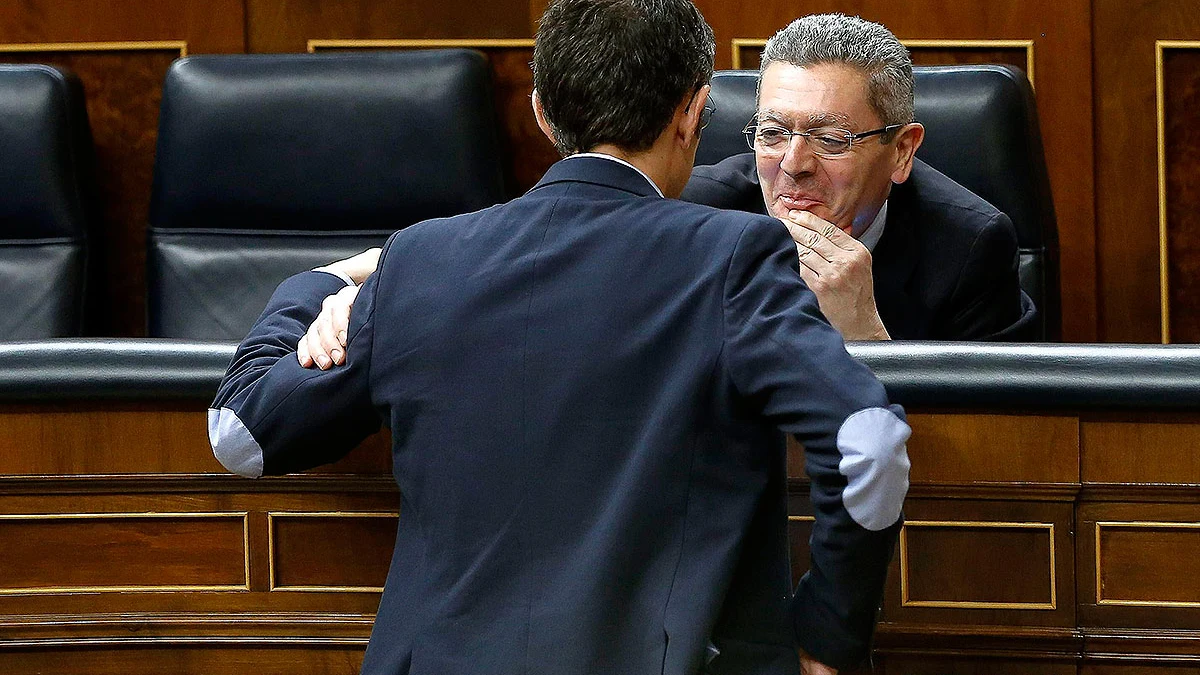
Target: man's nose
[[798, 159]]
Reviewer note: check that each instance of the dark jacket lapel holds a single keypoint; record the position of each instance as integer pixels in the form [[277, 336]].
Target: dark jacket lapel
[[894, 261]]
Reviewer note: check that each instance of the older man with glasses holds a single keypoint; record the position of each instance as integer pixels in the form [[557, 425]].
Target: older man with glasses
[[892, 248]]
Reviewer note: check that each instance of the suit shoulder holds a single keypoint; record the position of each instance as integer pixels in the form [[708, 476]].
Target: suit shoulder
[[935, 190], [729, 184], [944, 209]]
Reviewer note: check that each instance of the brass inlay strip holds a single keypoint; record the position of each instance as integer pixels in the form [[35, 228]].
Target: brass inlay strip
[[271, 516], [480, 43], [905, 600], [126, 46], [59, 590], [1027, 45], [1100, 600], [802, 519], [1161, 117]]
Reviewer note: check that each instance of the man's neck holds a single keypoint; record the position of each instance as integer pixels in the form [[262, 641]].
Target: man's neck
[[655, 164]]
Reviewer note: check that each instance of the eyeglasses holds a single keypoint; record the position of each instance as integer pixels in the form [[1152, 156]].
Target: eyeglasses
[[772, 139], [706, 114]]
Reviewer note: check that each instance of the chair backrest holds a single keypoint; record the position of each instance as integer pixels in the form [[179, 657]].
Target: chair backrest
[[268, 165], [46, 199], [982, 131]]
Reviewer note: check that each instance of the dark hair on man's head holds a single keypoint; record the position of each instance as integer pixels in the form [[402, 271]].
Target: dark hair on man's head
[[613, 71]]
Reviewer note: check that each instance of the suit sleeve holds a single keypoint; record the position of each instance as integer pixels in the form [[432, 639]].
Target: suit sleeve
[[988, 303], [791, 366], [270, 415]]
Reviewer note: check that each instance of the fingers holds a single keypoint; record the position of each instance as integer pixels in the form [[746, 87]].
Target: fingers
[[302, 354], [326, 349], [810, 226], [339, 313], [812, 260], [324, 344], [808, 273]]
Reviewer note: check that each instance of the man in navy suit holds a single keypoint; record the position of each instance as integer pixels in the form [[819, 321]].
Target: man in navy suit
[[892, 248], [585, 389]]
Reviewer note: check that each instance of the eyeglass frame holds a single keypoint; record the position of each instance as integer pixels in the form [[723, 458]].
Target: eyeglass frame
[[751, 132], [706, 114]]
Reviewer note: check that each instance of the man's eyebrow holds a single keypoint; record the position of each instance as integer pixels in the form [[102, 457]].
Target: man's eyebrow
[[824, 119], [771, 116], [819, 119]]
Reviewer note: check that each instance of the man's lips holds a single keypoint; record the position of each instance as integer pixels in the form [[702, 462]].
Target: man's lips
[[798, 202]]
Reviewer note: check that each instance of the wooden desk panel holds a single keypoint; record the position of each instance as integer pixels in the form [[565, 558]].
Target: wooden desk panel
[[997, 573]]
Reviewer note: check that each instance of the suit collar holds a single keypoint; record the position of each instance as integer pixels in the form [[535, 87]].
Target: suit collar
[[597, 170]]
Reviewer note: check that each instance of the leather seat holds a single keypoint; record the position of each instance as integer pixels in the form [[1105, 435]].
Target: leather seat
[[269, 165], [982, 131], [46, 201]]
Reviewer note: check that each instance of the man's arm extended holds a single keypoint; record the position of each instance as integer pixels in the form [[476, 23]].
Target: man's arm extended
[[785, 360], [273, 416]]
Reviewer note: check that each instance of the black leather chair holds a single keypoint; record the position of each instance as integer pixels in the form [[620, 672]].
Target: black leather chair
[[46, 201], [982, 131], [268, 165]]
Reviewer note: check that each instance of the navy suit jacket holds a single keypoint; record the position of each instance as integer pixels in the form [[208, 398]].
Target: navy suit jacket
[[585, 389], [945, 268]]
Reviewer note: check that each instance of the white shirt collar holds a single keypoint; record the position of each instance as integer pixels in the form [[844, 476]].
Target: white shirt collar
[[618, 160], [874, 232]]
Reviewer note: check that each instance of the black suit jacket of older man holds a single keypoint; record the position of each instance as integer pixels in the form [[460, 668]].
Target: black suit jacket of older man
[[945, 268]]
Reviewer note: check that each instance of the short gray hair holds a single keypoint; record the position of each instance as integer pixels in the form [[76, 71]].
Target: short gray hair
[[870, 47]]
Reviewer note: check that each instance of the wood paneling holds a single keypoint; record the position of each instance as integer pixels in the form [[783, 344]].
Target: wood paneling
[[1127, 190], [1063, 52], [1158, 450], [1005, 664], [1181, 164], [64, 553], [235, 657], [98, 438], [1147, 563], [994, 448], [287, 25], [969, 564], [331, 552], [123, 83], [1140, 572], [1155, 667]]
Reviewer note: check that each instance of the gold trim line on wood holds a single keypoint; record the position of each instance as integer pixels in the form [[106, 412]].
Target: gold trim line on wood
[[125, 46], [802, 519], [1138, 525], [971, 604], [271, 515], [1161, 133], [205, 641], [60, 590], [480, 43], [1027, 45]]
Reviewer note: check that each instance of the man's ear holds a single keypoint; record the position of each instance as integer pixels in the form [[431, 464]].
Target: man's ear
[[907, 141], [689, 117], [539, 114]]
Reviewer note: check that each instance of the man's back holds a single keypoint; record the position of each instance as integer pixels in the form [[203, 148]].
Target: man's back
[[584, 389]]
